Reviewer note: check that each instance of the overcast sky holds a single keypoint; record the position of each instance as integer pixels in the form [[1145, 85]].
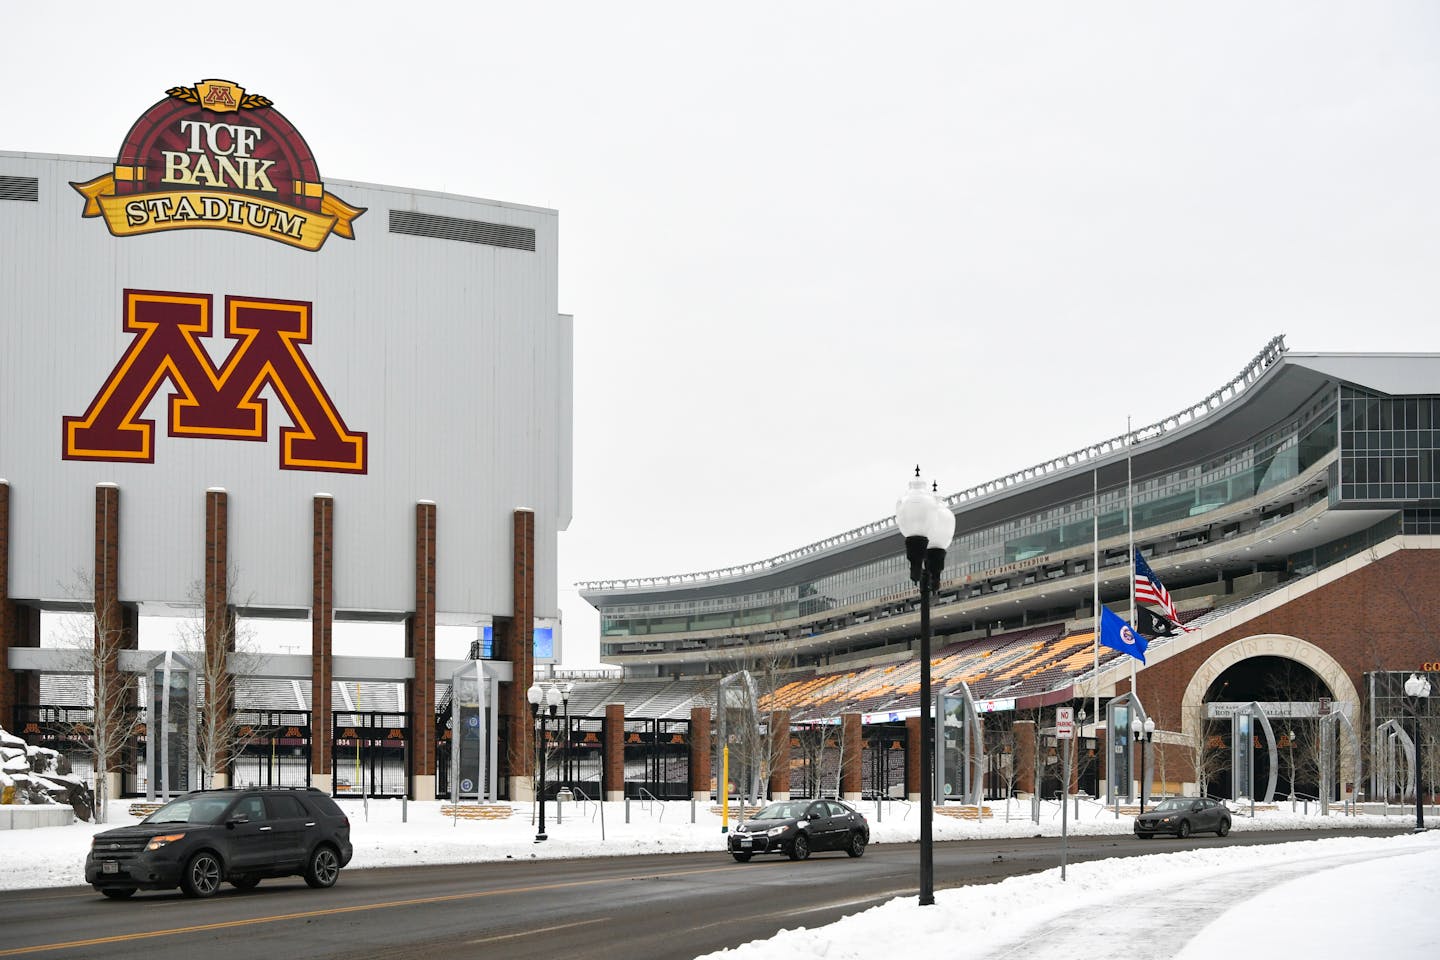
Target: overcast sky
[[808, 245]]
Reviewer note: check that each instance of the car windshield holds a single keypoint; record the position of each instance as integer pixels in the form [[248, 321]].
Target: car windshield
[[1174, 803], [784, 811], [190, 810]]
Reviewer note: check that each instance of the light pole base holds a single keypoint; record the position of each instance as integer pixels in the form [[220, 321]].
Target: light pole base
[[540, 838]]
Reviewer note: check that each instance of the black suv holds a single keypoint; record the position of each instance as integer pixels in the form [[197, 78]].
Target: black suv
[[209, 836]]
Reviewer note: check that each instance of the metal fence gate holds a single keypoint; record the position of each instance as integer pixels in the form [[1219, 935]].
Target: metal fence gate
[[882, 773], [657, 759], [274, 748], [371, 751], [814, 761], [577, 760]]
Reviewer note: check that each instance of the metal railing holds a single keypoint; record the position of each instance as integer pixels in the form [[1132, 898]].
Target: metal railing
[[1217, 399]]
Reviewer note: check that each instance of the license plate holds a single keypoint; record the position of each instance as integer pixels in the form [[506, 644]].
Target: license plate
[[746, 844], [110, 866]]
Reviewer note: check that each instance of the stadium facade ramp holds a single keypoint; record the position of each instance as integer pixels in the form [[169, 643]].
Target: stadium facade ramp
[[1293, 514]]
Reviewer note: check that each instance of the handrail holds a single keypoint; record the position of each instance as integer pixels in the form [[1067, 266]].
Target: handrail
[[1217, 399], [584, 799], [647, 799], [1101, 808]]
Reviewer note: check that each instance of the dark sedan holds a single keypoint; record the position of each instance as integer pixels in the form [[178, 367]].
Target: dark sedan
[[798, 828], [1183, 816]]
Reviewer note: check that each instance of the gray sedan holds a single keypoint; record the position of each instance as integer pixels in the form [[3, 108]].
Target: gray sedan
[[1183, 816]]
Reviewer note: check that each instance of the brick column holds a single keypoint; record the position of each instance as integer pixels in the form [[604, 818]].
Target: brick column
[[1024, 755], [780, 754], [613, 731], [10, 682], [852, 750], [420, 647], [114, 630], [700, 785], [515, 642], [322, 623], [913, 746], [219, 629]]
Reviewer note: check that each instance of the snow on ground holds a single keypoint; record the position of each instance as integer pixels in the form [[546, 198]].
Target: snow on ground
[[1379, 895]]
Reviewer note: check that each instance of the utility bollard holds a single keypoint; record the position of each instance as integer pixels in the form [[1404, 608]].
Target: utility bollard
[[627, 809], [404, 808]]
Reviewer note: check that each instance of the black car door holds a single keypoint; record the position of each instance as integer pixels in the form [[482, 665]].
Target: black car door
[[247, 832], [291, 827], [822, 829]]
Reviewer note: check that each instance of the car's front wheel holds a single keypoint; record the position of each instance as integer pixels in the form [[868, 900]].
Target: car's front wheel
[[741, 856], [856, 847], [1184, 830], [323, 867], [202, 875], [1223, 829], [118, 893], [800, 849]]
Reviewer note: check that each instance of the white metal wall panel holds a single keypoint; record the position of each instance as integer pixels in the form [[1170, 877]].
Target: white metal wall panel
[[451, 356]]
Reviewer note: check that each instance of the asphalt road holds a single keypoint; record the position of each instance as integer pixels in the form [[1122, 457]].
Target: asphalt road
[[662, 907]]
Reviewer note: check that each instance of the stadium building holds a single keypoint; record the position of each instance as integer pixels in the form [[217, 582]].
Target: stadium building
[[237, 392], [1293, 514]]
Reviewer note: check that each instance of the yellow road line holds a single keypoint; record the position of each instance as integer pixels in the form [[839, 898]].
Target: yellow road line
[[335, 911]]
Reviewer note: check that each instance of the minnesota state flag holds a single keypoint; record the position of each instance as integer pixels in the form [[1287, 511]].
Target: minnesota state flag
[[1116, 634]]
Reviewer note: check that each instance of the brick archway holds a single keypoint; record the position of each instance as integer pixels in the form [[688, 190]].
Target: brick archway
[[1326, 667]]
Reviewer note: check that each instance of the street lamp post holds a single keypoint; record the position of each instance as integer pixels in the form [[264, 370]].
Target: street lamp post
[[542, 699], [1143, 732], [566, 772], [928, 526], [1418, 689]]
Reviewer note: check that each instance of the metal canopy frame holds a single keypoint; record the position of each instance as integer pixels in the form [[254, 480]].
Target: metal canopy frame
[[1253, 709], [1127, 700], [473, 697], [743, 683], [165, 668], [1397, 731], [1328, 785]]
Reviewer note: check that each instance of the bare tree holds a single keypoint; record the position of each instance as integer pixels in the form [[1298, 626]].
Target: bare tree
[[223, 653], [1300, 744], [811, 740], [1206, 747], [755, 747], [96, 633]]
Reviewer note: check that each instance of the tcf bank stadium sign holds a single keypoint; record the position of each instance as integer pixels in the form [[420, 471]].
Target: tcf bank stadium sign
[[214, 157]]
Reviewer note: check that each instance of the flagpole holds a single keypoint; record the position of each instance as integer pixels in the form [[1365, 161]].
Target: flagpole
[[1130, 529], [1095, 595]]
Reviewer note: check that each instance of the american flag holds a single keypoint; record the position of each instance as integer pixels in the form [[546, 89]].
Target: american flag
[[1149, 589]]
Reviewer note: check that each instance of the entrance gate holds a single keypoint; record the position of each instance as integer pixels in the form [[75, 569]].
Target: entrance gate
[[882, 771], [657, 759], [370, 751], [580, 758], [274, 748]]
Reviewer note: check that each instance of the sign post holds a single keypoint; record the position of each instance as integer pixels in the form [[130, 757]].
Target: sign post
[[1064, 733]]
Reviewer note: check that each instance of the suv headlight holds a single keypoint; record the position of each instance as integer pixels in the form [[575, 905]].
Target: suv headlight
[[157, 842], [775, 831]]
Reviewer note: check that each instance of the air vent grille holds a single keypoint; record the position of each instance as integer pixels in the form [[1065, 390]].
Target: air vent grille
[[467, 231], [19, 188]]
